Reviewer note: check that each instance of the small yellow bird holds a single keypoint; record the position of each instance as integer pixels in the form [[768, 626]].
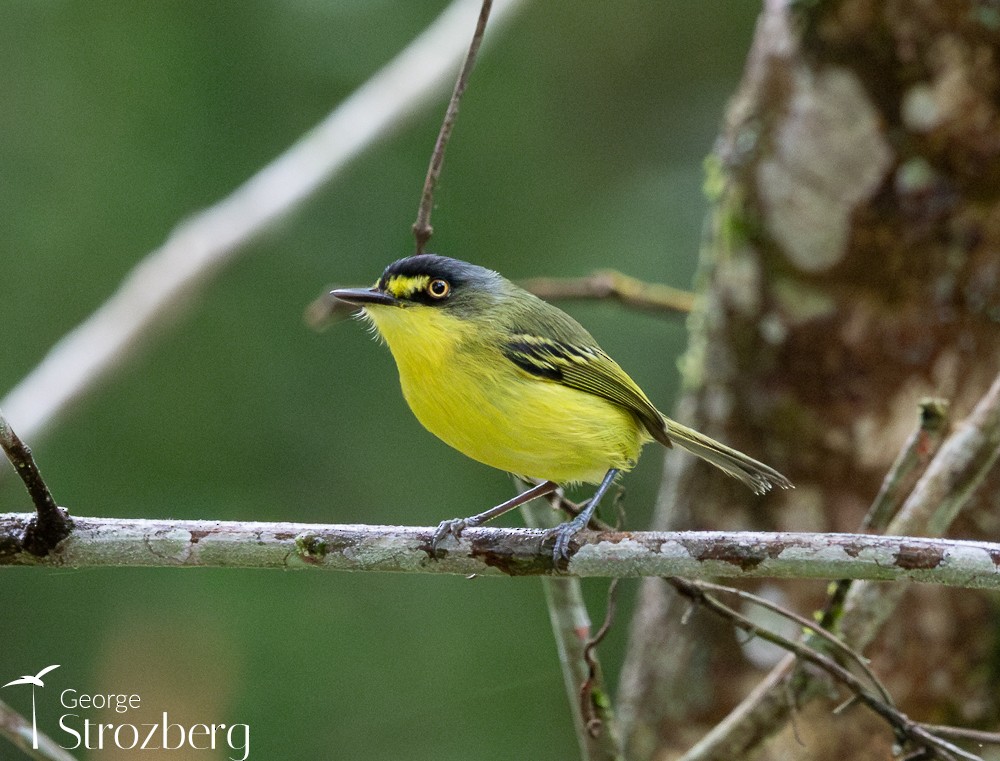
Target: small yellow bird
[[516, 383]]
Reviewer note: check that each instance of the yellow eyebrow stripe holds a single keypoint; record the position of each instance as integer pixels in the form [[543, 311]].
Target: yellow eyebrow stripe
[[404, 286]]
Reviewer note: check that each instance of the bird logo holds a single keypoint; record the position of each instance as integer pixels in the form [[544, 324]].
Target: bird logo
[[34, 681]]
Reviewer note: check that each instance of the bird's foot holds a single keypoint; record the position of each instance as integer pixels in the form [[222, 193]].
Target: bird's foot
[[453, 527], [564, 534]]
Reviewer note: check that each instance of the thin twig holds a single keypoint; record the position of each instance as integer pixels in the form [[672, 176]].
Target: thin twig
[[904, 727], [422, 229], [838, 645], [589, 699], [611, 284], [50, 525], [910, 464], [571, 630], [198, 248], [961, 733]]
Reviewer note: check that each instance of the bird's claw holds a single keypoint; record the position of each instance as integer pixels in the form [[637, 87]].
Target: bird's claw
[[563, 534], [454, 527]]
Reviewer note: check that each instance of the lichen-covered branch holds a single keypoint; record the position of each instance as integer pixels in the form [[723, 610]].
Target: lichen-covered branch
[[508, 552]]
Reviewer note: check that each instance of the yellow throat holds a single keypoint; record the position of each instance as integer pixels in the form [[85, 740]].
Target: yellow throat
[[464, 391]]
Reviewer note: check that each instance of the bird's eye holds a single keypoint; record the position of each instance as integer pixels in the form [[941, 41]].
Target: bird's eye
[[438, 288]]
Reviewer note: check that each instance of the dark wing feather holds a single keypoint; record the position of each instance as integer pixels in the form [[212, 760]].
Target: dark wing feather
[[588, 369]]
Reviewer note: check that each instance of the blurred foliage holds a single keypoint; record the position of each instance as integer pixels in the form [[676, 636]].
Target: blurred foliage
[[579, 146]]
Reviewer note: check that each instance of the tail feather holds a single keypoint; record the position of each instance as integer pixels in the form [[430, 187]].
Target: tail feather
[[758, 476]]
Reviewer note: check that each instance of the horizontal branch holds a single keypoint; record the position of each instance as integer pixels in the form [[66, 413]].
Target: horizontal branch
[[514, 552]]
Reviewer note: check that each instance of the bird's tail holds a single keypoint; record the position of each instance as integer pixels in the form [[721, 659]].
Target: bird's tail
[[758, 476]]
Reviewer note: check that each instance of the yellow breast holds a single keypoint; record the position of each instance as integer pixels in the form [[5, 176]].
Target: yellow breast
[[465, 392]]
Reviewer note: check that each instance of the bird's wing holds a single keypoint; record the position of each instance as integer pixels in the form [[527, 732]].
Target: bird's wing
[[585, 368]]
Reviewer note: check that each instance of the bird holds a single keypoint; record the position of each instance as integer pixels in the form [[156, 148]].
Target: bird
[[518, 384]]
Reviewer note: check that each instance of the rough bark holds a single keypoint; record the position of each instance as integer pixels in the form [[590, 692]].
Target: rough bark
[[851, 266]]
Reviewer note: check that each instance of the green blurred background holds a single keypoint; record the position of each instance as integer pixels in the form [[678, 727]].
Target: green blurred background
[[579, 146]]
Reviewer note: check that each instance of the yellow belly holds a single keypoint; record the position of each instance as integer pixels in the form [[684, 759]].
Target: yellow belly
[[506, 418]]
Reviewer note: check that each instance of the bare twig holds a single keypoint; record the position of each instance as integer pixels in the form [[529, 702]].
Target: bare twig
[[50, 525], [906, 730], [593, 701], [610, 284], [838, 646], [199, 247], [960, 733], [592, 694], [596, 731], [913, 459], [422, 229]]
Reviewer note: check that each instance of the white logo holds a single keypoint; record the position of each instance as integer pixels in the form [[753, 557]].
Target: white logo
[[81, 731], [34, 681]]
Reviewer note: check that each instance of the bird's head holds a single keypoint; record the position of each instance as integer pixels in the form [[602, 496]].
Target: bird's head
[[428, 280], [428, 297]]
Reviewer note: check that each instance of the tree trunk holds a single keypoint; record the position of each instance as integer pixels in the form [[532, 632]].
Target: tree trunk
[[851, 267]]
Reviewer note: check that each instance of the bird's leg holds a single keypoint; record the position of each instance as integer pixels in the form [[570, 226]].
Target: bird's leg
[[456, 526], [565, 531]]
